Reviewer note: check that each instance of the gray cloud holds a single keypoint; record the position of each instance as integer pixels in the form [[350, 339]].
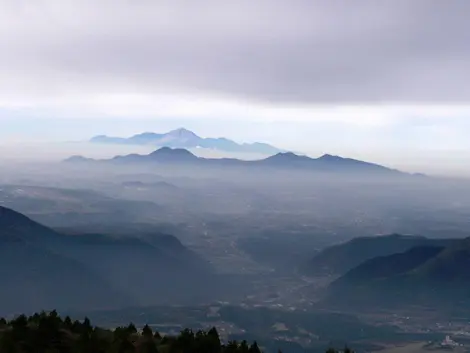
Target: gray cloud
[[292, 51]]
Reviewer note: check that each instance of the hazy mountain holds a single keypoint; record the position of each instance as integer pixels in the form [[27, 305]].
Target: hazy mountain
[[15, 227], [288, 161], [153, 268], [36, 277], [154, 185], [183, 138], [42, 269], [382, 267], [166, 154], [325, 163], [67, 207], [423, 275], [450, 265], [340, 258]]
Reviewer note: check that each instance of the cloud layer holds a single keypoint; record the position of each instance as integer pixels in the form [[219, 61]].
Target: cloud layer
[[285, 52]]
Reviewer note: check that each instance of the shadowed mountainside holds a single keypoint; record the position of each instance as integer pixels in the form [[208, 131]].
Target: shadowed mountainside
[[41, 268], [423, 275], [340, 258]]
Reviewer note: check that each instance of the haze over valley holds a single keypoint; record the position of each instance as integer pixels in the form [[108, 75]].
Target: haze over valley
[[236, 177], [170, 228]]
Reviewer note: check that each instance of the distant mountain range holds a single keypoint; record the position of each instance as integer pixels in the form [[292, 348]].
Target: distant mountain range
[[183, 138], [44, 269], [282, 160]]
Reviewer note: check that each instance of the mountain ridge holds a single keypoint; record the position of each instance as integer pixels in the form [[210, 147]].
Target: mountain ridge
[[341, 258], [16, 226], [184, 138], [423, 275], [50, 268], [282, 160]]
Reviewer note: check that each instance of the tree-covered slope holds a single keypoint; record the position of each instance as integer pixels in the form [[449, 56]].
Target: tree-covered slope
[[424, 275], [339, 259], [43, 269], [48, 332]]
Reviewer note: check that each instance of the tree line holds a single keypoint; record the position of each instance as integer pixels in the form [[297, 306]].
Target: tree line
[[47, 332]]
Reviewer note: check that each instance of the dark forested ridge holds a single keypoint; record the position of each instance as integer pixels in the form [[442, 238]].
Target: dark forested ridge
[[48, 332], [43, 269], [425, 275], [341, 258]]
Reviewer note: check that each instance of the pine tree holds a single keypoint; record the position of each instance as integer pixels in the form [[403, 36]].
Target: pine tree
[[68, 322], [254, 348], [232, 347], [147, 331], [244, 347], [131, 328]]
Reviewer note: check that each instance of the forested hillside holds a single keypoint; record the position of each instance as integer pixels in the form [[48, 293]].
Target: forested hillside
[[48, 332]]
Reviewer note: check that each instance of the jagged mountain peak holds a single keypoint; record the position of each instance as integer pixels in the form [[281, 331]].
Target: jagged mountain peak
[[182, 132]]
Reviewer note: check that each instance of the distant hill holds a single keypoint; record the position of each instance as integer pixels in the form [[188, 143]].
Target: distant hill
[[286, 161], [154, 185], [183, 138], [326, 162], [422, 275], [41, 268], [340, 258], [66, 207]]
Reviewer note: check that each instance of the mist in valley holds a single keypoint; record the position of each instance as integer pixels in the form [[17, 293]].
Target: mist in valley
[[114, 234]]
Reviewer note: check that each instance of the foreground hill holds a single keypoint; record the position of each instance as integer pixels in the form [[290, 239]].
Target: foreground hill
[[286, 161], [41, 268], [423, 275], [340, 258], [34, 276], [183, 138]]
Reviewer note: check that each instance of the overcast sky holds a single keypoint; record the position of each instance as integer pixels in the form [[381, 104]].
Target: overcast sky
[[365, 78]]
